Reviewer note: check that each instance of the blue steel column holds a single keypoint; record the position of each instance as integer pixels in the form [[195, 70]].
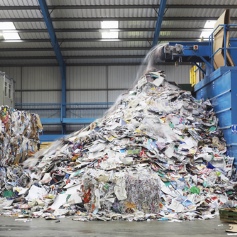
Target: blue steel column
[[158, 22], [63, 96], [57, 51]]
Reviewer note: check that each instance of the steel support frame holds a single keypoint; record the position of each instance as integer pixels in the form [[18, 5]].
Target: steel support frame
[[57, 51], [159, 21], [85, 19], [120, 6]]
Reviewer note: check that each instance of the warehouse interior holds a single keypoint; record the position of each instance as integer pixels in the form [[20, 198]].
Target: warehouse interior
[[70, 61]]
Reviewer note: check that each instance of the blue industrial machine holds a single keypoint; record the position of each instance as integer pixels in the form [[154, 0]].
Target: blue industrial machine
[[219, 84]]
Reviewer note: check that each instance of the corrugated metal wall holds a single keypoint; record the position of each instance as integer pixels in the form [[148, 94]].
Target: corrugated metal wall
[[178, 74], [84, 84], [41, 85]]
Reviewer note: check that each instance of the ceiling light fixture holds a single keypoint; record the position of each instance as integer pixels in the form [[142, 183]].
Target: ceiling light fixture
[[109, 29], [8, 33]]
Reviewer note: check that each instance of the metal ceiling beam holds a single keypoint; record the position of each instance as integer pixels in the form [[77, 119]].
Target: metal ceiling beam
[[58, 54], [159, 20], [183, 18], [131, 6], [71, 57], [77, 30], [78, 40], [103, 40], [82, 64], [74, 49], [50, 29]]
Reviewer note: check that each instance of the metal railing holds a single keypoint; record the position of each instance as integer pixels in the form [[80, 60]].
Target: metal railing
[[226, 28], [52, 112]]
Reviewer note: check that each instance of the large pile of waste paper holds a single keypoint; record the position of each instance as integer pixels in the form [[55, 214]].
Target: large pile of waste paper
[[156, 154]]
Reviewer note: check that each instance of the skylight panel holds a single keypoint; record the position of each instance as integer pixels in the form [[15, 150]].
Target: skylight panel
[[109, 29], [9, 31], [208, 28]]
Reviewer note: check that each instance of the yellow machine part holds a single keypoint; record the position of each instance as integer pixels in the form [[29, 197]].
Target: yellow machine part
[[192, 75]]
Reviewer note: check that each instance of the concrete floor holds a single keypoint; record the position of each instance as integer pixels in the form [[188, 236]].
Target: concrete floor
[[68, 228]]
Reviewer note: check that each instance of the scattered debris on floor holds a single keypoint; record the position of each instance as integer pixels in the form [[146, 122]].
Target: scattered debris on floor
[[232, 228], [156, 154]]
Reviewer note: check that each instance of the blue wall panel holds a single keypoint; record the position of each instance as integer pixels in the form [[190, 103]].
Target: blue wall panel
[[222, 102]]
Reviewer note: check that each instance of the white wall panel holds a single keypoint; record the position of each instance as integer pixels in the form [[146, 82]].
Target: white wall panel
[[15, 73], [41, 78], [41, 97], [86, 77], [113, 95], [86, 96], [17, 97], [178, 74], [122, 76]]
